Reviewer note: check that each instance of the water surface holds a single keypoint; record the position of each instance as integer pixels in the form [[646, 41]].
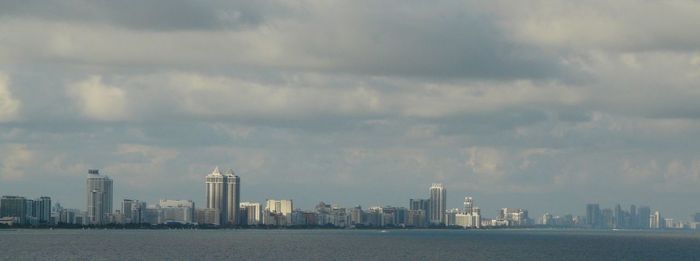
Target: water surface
[[347, 245]]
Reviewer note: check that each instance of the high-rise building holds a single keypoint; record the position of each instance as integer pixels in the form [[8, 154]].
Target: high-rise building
[[593, 216], [608, 217], [696, 217], [216, 195], [223, 194], [44, 209], [514, 216], [233, 197], [656, 221], [644, 214], [14, 206], [438, 204], [468, 205], [133, 211], [619, 217], [253, 212], [278, 212], [634, 218], [178, 211], [99, 197], [356, 214], [421, 206]]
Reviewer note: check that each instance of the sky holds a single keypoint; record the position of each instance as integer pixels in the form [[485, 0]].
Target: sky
[[544, 105]]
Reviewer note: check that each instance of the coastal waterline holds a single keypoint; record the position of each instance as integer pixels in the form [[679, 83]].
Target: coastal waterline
[[96, 244]]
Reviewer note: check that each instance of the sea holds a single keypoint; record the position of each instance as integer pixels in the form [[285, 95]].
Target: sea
[[319, 244]]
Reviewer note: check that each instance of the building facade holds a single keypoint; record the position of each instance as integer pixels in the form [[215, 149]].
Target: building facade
[[99, 197], [438, 204], [223, 194], [177, 211], [253, 213], [233, 197]]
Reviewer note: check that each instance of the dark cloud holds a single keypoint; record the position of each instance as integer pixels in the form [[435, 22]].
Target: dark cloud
[[153, 15]]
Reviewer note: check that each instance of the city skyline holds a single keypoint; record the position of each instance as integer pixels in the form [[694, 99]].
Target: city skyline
[[224, 208], [94, 174], [222, 193], [544, 104]]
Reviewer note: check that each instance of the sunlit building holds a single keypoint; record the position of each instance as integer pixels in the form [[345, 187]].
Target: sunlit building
[[99, 197], [438, 204]]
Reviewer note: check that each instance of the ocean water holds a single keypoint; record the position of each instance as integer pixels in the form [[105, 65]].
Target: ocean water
[[347, 245]]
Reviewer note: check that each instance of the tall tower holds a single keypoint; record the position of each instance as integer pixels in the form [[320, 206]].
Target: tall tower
[[216, 194], [593, 216], [233, 197], [438, 204], [99, 197], [44, 213], [468, 205]]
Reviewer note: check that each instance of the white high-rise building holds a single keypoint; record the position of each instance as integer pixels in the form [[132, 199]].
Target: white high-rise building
[[216, 192], [253, 212], [438, 204], [656, 221], [468, 205], [99, 197], [223, 194], [233, 197]]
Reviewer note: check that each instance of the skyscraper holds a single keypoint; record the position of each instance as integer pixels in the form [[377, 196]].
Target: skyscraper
[[233, 197], [438, 204], [593, 216], [644, 214], [216, 194], [14, 206], [634, 218], [133, 211], [99, 197], [656, 221], [423, 207], [619, 217], [468, 205], [223, 194], [44, 213], [253, 212]]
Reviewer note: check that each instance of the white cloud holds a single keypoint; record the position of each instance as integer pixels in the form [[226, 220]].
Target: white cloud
[[9, 106], [98, 101], [631, 25], [15, 161]]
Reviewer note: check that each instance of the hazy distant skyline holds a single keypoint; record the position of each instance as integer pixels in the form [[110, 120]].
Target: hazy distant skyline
[[545, 105]]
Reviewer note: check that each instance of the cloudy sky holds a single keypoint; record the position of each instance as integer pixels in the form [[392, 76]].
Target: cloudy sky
[[545, 105]]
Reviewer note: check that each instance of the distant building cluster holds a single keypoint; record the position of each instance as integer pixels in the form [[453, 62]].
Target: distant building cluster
[[634, 218], [224, 208], [21, 210]]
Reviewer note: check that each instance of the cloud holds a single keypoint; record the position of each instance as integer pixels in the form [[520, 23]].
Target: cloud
[[140, 165], [628, 25], [9, 106], [551, 98], [16, 161], [98, 101], [447, 39], [151, 15]]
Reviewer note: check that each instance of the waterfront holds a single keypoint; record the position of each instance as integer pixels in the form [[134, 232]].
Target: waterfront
[[347, 245]]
